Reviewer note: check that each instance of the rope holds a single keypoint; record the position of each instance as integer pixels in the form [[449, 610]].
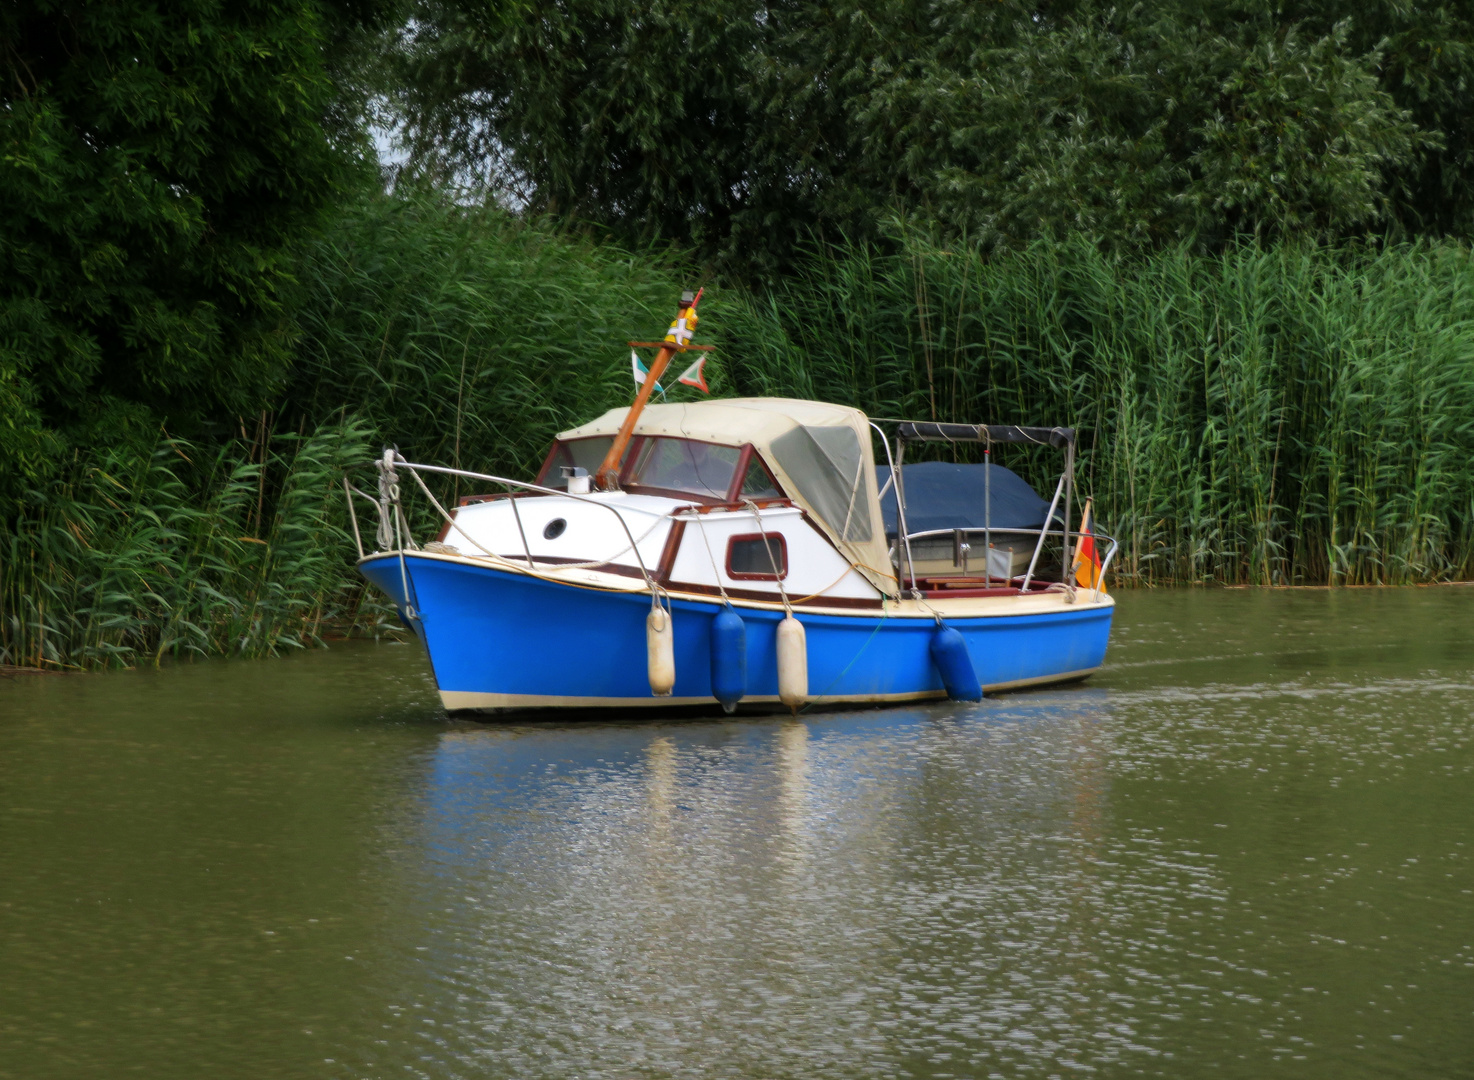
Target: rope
[[777, 578], [884, 614], [715, 573]]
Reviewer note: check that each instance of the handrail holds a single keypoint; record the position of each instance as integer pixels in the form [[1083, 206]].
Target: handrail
[[996, 529], [1041, 533], [531, 562], [1106, 564], [398, 460], [903, 538]]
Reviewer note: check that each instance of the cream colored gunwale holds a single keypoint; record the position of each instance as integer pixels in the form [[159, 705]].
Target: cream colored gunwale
[[477, 701], [960, 607]]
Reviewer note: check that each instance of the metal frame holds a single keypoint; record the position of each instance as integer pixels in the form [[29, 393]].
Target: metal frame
[[988, 434], [1041, 533], [388, 483], [393, 527]]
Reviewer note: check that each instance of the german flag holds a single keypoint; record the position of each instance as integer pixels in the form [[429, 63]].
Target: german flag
[[1087, 557]]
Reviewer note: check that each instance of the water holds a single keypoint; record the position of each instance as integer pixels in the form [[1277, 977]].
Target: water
[[1243, 850]]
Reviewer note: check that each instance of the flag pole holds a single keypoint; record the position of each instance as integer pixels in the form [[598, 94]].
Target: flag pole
[[607, 478]]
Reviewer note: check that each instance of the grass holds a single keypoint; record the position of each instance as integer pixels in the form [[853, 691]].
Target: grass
[[173, 555]]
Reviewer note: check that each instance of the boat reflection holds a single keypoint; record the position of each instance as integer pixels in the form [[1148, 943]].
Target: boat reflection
[[658, 887]]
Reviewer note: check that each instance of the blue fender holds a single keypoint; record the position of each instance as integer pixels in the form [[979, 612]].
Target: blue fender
[[949, 654], [728, 658]]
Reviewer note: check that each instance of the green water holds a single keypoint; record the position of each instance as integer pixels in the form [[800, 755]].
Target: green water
[[1243, 850]]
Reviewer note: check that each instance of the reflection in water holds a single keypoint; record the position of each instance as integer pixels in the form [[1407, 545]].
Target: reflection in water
[[854, 893], [793, 785], [1246, 850]]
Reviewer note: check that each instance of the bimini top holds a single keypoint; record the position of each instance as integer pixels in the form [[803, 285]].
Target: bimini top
[[819, 453], [942, 495]]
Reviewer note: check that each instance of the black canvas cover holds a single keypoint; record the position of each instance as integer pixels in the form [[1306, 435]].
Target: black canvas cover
[[943, 495]]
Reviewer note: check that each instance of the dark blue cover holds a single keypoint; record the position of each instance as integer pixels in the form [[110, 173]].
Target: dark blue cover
[[943, 495]]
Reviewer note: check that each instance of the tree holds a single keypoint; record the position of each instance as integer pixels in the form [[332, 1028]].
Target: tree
[[157, 163], [742, 126]]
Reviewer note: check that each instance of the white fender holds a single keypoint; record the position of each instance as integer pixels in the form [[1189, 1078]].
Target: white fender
[[793, 663], [660, 651]]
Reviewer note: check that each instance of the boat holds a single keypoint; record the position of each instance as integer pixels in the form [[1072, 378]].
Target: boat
[[745, 553]]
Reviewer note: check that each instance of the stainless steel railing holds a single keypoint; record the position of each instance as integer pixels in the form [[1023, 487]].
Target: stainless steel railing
[[924, 534]]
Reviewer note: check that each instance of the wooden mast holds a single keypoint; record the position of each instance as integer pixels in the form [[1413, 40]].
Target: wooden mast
[[676, 340]]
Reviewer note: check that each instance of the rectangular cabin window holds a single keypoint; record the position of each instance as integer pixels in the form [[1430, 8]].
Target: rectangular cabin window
[[752, 558], [684, 466]]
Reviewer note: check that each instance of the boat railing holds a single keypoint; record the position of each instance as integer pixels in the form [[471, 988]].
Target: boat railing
[[393, 529], [393, 534], [1042, 534]]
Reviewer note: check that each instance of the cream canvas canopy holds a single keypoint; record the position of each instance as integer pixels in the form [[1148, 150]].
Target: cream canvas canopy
[[819, 453]]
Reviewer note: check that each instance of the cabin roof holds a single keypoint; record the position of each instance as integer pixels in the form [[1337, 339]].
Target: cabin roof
[[820, 453], [730, 421]]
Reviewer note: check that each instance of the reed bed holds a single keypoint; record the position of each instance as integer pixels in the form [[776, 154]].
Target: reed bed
[[241, 552], [468, 337], [1266, 416]]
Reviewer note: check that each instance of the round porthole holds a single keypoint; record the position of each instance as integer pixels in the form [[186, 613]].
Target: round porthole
[[554, 529]]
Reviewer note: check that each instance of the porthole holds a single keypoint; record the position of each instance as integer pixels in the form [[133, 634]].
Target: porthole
[[554, 529]]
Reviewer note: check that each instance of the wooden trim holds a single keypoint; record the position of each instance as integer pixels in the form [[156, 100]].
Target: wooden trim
[[668, 554], [997, 590], [631, 453], [740, 575], [743, 460], [664, 493], [773, 597], [542, 473], [781, 502]]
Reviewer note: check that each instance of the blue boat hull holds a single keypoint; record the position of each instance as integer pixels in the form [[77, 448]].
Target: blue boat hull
[[499, 639]]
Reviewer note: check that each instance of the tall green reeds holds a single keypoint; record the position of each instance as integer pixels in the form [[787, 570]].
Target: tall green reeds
[[181, 553], [1280, 416], [465, 335], [1292, 415], [460, 335]]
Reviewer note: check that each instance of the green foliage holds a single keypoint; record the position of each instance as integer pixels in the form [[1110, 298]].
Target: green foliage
[[462, 335], [156, 166], [594, 111], [172, 553], [467, 336], [741, 127], [1275, 415]]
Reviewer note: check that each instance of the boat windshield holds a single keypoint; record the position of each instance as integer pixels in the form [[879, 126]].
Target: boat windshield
[[663, 465], [692, 468], [585, 453]]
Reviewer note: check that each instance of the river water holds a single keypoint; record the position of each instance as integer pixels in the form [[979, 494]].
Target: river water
[[1242, 850]]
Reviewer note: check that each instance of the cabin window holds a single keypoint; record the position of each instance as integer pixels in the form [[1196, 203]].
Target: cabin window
[[753, 557], [756, 483], [587, 453], [685, 466], [827, 465]]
